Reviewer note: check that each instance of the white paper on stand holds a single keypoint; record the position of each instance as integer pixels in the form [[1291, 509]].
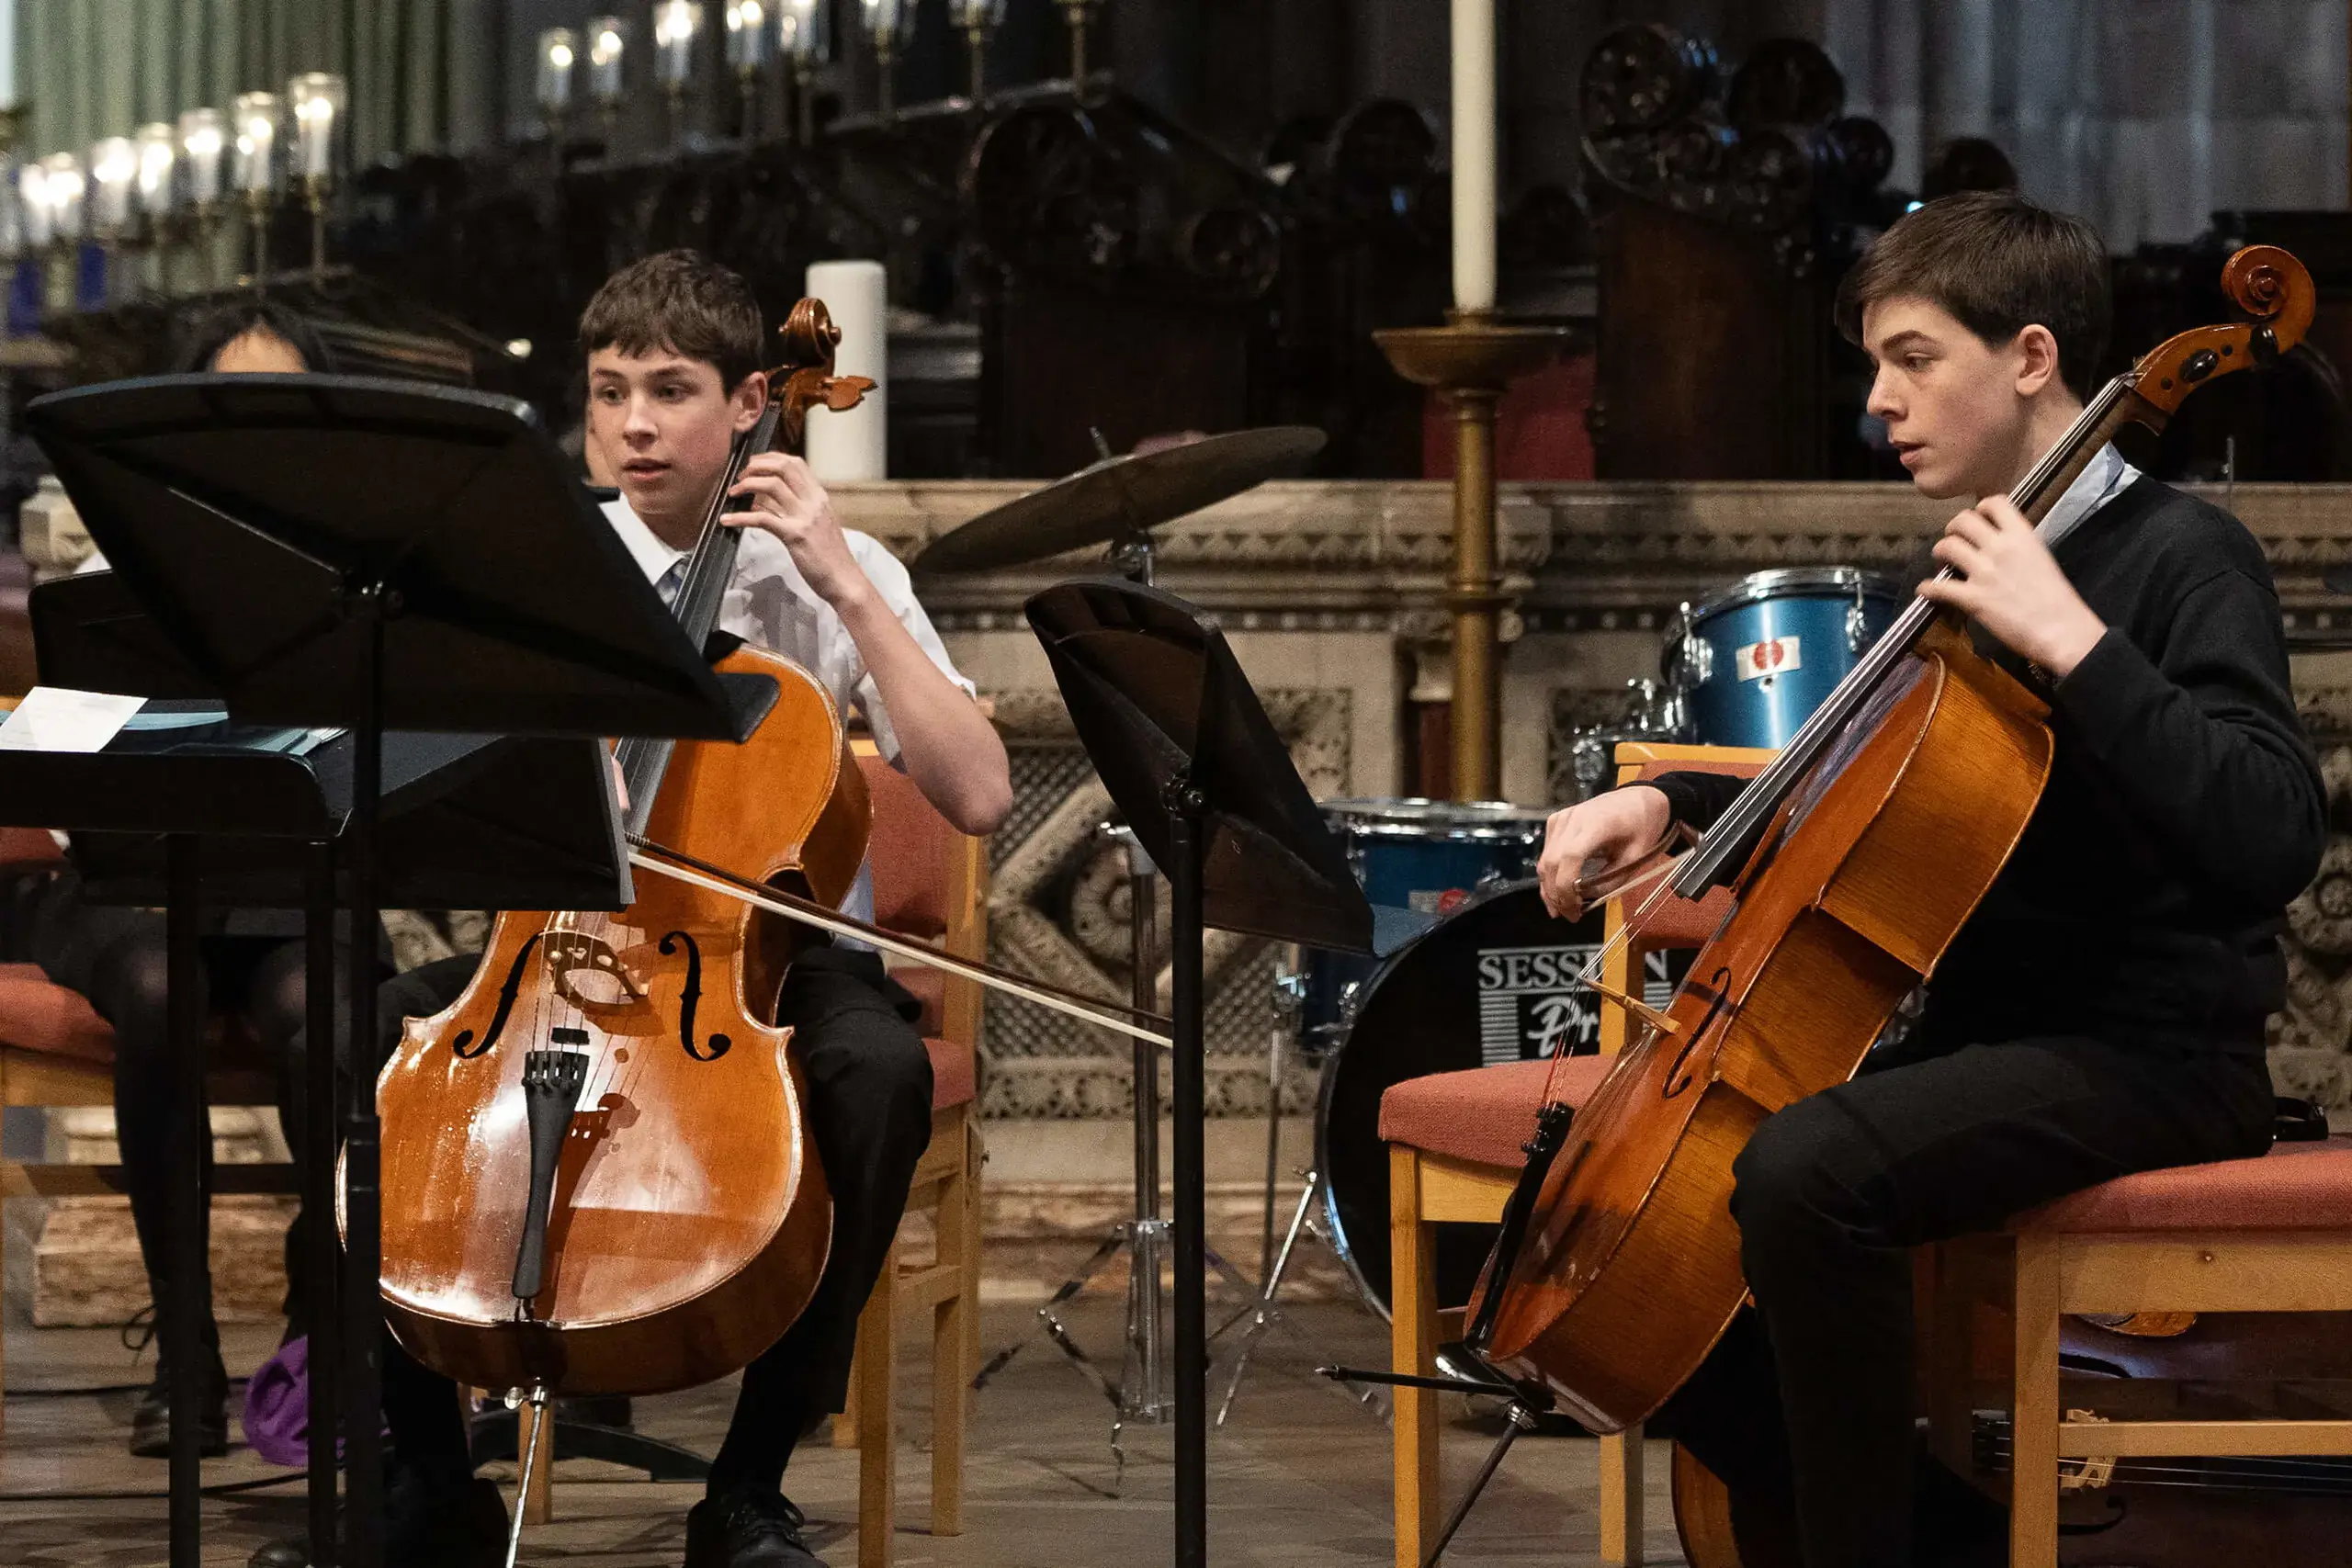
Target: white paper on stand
[[58, 718], [854, 444]]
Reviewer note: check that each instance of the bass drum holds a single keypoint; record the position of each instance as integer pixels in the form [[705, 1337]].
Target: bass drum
[[1488, 984]]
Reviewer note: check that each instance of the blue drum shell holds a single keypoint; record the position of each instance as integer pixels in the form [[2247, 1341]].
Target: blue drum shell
[[1766, 709]]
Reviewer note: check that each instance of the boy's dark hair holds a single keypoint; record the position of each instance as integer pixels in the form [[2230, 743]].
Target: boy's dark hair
[[682, 301], [1999, 264], [209, 334]]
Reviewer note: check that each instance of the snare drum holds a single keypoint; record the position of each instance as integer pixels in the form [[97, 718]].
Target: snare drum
[[1753, 661], [1429, 856]]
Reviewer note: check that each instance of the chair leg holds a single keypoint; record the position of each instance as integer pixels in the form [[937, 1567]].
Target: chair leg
[[1412, 1250], [2033, 1416], [1951, 1362], [1621, 1498], [950, 1376], [3, 1325], [846, 1423], [876, 1478]]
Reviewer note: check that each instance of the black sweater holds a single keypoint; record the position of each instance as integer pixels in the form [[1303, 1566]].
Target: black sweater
[[2183, 808]]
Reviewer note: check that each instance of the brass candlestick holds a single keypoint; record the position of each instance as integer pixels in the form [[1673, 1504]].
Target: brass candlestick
[[257, 220], [1080, 15], [1469, 362]]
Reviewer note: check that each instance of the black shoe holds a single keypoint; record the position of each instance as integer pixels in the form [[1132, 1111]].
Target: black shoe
[[442, 1522], [151, 1422], [290, 1554], [747, 1530]]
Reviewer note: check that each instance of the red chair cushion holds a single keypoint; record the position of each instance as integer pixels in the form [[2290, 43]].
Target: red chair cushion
[[2294, 1186], [930, 988], [1485, 1115], [953, 1080], [37, 1015], [915, 852]]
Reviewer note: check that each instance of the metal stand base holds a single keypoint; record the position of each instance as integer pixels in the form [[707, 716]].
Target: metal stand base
[[1263, 1315], [1526, 1407]]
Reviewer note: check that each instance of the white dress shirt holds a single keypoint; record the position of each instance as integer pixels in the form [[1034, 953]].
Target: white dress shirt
[[770, 603], [2104, 478]]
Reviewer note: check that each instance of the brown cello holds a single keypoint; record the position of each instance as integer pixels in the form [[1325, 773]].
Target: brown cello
[[1855, 859], [597, 1174]]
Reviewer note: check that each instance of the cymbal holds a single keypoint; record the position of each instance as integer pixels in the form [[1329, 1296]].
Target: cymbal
[[1120, 496]]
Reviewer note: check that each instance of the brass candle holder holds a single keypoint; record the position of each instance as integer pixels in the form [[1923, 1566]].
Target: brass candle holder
[[1468, 363]]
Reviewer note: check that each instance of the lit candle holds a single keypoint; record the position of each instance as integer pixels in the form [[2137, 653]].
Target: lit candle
[[676, 24], [800, 28], [882, 21], [255, 169], [976, 14], [1473, 155], [62, 183], [608, 37], [113, 165], [559, 50], [318, 99], [203, 136], [158, 152], [32, 201], [747, 36]]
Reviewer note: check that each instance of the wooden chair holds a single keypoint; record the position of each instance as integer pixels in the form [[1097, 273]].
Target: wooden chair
[[1454, 1155], [55, 1050], [929, 883], [2272, 1233]]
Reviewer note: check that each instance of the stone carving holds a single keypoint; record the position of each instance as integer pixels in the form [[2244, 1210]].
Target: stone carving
[[1060, 908]]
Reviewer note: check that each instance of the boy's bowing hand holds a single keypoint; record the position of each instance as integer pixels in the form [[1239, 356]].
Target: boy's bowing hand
[[781, 497], [2010, 584]]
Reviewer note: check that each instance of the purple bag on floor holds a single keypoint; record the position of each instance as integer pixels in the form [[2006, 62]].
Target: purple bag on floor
[[278, 1407]]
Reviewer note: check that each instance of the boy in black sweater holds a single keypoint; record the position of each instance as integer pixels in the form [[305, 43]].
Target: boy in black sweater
[[2103, 1011]]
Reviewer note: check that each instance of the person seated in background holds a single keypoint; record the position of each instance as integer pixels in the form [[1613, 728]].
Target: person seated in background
[[114, 956]]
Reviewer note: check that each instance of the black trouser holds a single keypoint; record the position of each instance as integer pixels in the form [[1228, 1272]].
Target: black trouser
[[869, 1111], [1813, 1394], [116, 957]]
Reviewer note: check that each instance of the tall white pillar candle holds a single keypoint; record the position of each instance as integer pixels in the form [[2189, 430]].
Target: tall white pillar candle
[[854, 444], [1474, 155]]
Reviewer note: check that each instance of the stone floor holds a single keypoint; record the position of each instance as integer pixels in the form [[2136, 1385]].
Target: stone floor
[[1298, 1477]]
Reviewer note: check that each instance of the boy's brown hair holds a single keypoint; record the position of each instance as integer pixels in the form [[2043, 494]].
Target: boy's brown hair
[[1997, 264], [679, 300]]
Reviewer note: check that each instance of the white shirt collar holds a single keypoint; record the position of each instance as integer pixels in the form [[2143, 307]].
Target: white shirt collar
[[2102, 480], [652, 555]]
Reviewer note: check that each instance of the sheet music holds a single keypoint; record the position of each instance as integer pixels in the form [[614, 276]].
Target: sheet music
[[58, 718]]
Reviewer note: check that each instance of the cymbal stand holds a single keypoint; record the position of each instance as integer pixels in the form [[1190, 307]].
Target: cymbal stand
[[1141, 1393], [1274, 1260]]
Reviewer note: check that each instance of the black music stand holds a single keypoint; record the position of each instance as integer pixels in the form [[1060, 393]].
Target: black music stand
[[1194, 764], [329, 550]]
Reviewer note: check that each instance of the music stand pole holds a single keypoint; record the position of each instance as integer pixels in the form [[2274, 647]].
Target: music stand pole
[[322, 1259], [363, 1476], [1184, 804], [180, 1317], [1149, 1237]]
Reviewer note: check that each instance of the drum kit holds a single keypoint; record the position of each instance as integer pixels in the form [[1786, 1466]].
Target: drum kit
[[1491, 979]]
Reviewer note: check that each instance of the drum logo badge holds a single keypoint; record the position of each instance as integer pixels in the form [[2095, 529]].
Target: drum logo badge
[[1529, 1001], [1773, 656]]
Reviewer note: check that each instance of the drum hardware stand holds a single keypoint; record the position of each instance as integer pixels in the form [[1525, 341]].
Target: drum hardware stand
[[1140, 1394], [1274, 1260]]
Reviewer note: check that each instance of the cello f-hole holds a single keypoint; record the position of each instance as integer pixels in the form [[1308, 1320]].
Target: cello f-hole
[[690, 997], [1677, 1079], [506, 992]]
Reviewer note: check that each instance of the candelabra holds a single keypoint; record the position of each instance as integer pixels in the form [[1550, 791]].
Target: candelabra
[[318, 98], [747, 56], [800, 36], [61, 191], [256, 169], [114, 168], [608, 41], [882, 18], [978, 18], [1080, 16], [157, 158], [204, 136], [559, 57], [677, 24]]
